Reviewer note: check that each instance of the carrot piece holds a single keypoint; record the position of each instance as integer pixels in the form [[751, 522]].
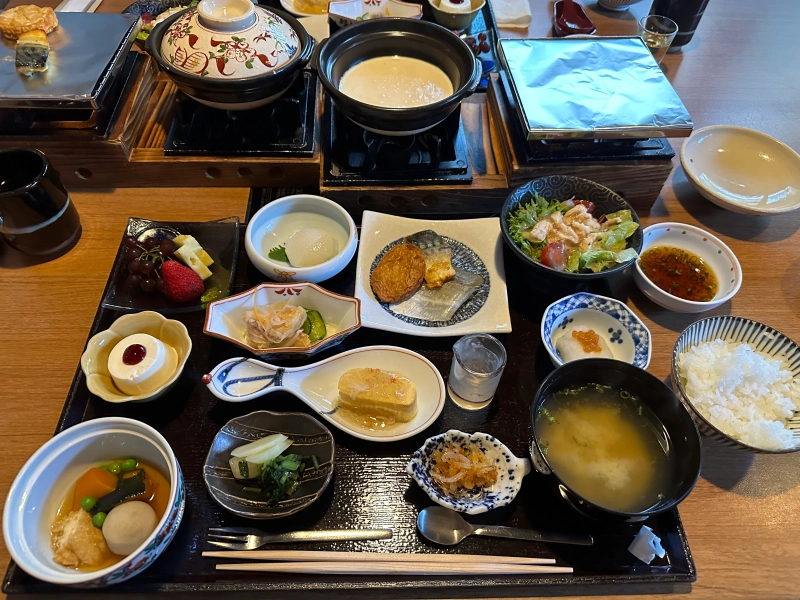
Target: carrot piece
[[95, 483]]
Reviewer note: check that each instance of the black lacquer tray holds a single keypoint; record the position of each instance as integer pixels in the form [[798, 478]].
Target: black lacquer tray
[[370, 486]]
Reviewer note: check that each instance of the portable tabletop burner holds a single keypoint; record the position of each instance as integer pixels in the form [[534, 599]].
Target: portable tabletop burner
[[355, 156], [283, 127]]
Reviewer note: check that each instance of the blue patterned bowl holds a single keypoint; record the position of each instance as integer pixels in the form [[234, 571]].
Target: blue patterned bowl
[[566, 187], [764, 339], [510, 471], [44, 481], [624, 333]]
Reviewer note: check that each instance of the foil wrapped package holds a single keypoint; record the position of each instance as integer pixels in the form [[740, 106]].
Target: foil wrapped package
[[582, 88], [87, 50]]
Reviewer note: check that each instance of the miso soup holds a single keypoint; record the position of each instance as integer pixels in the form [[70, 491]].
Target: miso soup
[[605, 445]]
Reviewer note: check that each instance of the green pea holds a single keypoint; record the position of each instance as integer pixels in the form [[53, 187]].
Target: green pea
[[99, 519], [115, 468], [103, 467], [129, 465], [88, 503]]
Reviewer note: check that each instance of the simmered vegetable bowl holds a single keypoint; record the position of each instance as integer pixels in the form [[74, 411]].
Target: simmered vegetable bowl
[[567, 236]]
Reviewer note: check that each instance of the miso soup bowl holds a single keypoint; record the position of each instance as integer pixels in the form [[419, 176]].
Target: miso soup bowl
[[44, 481], [684, 439]]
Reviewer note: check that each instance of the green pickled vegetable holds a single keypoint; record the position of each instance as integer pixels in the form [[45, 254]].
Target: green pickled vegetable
[[314, 326], [281, 477]]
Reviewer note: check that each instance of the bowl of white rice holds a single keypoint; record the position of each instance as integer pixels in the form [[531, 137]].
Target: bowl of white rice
[[740, 380]]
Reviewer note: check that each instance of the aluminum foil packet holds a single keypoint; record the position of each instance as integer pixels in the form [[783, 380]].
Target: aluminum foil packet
[[598, 87]]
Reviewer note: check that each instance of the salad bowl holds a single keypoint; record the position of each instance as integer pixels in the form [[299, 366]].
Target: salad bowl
[[562, 188]]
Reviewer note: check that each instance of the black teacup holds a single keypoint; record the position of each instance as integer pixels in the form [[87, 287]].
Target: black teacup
[[36, 213]]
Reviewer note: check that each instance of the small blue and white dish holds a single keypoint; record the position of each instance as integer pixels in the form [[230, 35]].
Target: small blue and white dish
[[626, 336], [510, 471]]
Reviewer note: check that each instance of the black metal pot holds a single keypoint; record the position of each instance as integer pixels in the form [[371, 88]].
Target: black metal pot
[[680, 428], [236, 94], [405, 37]]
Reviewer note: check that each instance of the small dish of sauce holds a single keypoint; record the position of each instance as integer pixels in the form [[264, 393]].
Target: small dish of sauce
[[680, 273]]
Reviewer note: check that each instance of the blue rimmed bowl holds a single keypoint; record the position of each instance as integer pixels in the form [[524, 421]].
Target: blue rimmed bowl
[[626, 336], [763, 339], [510, 471]]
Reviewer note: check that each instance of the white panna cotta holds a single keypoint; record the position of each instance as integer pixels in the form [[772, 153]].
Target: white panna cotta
[[455, 6], [140, 364]]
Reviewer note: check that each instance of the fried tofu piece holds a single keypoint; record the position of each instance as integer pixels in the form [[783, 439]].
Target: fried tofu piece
[[398, 274], [76, 542]]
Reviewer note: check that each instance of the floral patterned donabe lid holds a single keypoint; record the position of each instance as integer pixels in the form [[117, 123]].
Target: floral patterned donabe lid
[[233, 40]]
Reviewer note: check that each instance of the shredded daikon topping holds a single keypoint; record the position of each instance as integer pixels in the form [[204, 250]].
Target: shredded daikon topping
[[457, 469]]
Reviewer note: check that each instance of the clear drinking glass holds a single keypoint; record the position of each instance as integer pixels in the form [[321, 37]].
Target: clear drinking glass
[[657, 33], [478, 363]]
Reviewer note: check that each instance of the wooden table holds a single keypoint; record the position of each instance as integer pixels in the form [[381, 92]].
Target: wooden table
[[741, 519]]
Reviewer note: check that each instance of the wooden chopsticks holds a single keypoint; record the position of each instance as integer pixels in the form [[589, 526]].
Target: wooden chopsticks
[[375, 563]]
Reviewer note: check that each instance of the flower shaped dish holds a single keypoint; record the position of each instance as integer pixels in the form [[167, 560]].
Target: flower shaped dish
[[342, 315], [627, 337], [510, 471], [94, 361]]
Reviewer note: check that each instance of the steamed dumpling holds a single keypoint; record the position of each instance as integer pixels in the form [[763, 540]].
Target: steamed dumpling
[[582, 342], [128, 525], [310, 246]]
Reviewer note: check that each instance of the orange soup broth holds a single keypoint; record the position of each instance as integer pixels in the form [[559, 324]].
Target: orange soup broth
[[156, 485]]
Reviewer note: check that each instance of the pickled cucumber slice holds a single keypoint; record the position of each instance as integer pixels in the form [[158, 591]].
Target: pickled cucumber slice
[[314, 327]]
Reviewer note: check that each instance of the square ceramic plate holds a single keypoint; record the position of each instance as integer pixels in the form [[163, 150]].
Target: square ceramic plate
[[478, 239], [219, 238]]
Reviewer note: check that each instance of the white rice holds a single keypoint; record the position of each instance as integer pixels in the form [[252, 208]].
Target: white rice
[[745, 394]]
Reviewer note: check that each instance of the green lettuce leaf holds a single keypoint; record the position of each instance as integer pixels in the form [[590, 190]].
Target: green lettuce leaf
[[531, 209], [598, 260]]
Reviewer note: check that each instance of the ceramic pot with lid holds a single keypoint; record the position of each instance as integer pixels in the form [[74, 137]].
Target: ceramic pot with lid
[[230, 54]]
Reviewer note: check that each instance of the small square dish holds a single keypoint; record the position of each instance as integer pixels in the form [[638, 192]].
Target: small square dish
[[477, 258], [220, 239]]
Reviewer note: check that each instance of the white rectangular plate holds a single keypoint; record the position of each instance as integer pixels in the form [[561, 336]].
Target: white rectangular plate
[[481, 235]]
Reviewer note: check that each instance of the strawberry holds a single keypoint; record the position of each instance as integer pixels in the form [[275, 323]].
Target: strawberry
[[181, 284]]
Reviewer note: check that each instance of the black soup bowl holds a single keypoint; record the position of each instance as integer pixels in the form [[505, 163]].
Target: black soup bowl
[[397, 37], [680, 430], [567, 187]]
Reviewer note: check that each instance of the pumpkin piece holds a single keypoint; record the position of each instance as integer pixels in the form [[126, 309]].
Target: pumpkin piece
[[95, 483]]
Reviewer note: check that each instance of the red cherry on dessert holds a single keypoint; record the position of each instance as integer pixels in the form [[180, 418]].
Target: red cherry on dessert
[[134, 354]]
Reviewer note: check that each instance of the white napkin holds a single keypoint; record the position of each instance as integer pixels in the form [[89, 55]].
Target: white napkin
[[512, 13]]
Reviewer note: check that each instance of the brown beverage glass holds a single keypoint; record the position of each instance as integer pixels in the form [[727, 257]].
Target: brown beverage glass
[[36, 214]]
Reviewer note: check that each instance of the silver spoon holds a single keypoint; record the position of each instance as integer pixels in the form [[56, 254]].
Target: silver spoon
[[448, 528]]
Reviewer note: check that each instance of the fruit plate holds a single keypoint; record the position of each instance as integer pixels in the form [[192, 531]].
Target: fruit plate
[[219, 238], [477, 248]]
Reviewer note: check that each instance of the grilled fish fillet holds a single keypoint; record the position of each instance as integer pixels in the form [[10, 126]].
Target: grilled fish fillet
[[377, 393], [438, 254]]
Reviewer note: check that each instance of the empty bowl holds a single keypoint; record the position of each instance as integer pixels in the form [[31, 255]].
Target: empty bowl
[[49, 475], [275, 223], [94, 361], [342, 315], [624, 333], [717, 256], [742, 170]]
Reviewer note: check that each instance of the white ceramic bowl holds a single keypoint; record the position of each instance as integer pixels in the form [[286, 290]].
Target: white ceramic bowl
[[349, 12], [94, 360], [626, 336], [276, 222], [718, 257], [44, 481], [457, 21], [510, 471], [342, 315], [742, 170]]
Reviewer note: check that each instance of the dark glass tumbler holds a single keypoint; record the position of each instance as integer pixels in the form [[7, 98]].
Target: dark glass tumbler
[[37, 215], [686, 13]]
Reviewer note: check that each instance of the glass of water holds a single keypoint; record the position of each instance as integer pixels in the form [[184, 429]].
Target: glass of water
[[478, 363], [657, 33]]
